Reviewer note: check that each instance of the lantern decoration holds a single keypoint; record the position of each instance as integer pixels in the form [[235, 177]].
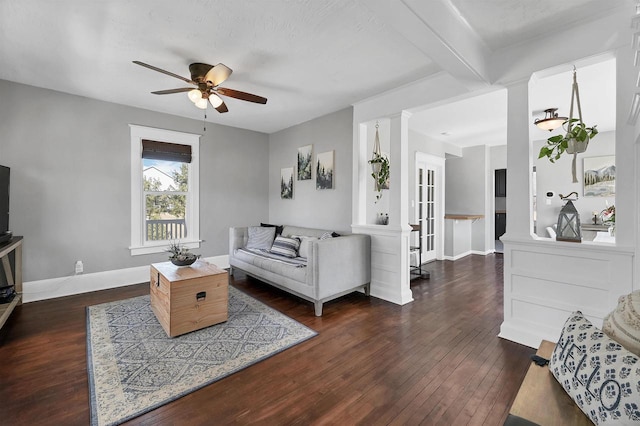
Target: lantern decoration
[[569, 221]]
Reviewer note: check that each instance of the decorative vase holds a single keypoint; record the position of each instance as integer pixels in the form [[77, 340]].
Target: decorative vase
[[186, 262]]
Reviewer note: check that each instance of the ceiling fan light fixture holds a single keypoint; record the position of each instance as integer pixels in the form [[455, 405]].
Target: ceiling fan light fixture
[[194, 95], [215, 100], [551, 121], [201, 103]]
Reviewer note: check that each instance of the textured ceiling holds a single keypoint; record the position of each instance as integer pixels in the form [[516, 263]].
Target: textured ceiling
[[501, 23], [308, 57]]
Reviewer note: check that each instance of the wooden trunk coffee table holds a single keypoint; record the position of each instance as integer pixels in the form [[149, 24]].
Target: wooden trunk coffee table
[[188, 298]]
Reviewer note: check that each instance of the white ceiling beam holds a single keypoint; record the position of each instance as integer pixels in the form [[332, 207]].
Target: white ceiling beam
[[436, 28], [579, 45]]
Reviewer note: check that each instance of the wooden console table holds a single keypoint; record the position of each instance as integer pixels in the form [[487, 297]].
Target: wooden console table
[[13, 277]]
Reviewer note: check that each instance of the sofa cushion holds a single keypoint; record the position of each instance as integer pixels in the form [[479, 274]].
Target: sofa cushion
[[623, 323], [260, 237], [601, 376], [289, 231], [285, 246], [304, 244], [292, 271]]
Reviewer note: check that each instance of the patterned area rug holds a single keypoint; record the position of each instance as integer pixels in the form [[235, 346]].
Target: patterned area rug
[[134, 367]]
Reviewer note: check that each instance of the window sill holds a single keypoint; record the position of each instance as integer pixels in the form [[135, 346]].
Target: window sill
[[160, 247]]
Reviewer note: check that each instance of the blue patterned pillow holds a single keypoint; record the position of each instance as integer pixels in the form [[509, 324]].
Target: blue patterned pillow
[[285, 246], [601, 376]]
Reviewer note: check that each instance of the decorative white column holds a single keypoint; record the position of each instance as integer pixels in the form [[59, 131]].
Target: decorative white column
[[399, 197], [389, 243], [519, 164]]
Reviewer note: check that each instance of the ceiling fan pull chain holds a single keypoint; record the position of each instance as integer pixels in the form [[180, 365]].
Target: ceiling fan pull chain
[[204, 120]]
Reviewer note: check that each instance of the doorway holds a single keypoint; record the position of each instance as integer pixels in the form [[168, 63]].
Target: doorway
[[429, 206]]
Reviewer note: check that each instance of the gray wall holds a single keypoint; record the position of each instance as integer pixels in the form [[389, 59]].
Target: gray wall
[[465, 182], [557, 177], [325, 209], [467, 191], [70, 179]]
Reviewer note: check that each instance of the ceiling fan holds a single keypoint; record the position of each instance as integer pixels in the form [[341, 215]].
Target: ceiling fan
[[207, 79]]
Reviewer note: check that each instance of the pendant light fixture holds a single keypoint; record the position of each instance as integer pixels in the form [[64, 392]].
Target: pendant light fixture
[[551, 121]]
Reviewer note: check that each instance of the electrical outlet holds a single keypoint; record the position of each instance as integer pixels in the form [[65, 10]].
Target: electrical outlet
[[79, 267]]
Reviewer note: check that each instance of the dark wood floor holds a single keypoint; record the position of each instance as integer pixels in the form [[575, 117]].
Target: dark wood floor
[[434, 361]]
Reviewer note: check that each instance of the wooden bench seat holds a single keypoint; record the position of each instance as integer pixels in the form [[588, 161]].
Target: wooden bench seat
[[542, 400]]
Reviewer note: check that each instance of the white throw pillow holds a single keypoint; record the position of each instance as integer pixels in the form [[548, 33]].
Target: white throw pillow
[[304, 244], [623, 323], [260, 237], [601, 376]]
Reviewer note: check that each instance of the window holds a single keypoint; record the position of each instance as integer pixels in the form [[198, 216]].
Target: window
[[164, 189]]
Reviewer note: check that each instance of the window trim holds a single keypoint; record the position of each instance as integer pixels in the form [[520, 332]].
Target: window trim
[[138, 244]]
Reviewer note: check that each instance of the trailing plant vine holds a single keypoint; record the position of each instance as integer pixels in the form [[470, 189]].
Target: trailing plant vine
[[558, 144], [382, 176]]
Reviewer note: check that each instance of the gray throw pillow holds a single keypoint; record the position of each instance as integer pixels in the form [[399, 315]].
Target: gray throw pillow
[[261, 237]]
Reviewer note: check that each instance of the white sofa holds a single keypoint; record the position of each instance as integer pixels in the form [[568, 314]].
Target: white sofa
[[334, 266]]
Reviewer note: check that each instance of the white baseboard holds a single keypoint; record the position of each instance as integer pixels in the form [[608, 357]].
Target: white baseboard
[[467, 253], [526, 334], [458, 256], [84, 283], [482, 253]]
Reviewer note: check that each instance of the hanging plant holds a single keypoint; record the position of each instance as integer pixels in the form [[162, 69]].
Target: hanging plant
[[380, 165], [576, 138], [574, 141]]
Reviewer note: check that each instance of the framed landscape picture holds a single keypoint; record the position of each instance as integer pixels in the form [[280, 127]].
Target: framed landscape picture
[[305, 162], [286, 183], [599, 176], [324, 170]]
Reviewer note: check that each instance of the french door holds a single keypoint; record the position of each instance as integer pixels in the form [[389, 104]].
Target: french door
[[430, 205]]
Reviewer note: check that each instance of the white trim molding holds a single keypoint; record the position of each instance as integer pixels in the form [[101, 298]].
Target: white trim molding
[[138, 133], [85, 283]]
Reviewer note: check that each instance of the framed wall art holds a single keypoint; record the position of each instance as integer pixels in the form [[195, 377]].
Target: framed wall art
[[305, 162], [286, 183], [324, 170], [599, 176]]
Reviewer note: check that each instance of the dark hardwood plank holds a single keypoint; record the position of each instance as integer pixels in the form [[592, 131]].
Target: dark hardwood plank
[[434, 361]]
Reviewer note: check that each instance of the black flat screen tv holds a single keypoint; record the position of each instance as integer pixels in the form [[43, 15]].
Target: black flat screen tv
[[4, 203]]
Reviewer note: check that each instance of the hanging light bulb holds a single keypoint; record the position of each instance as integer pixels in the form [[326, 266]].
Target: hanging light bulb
[[194, 95], [215, 100], [201, 103]]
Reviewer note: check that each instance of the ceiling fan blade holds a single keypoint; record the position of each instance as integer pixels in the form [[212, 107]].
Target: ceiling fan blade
[[222, 108], [170, 91], [151, 67], [218, 74], [241, 95]]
